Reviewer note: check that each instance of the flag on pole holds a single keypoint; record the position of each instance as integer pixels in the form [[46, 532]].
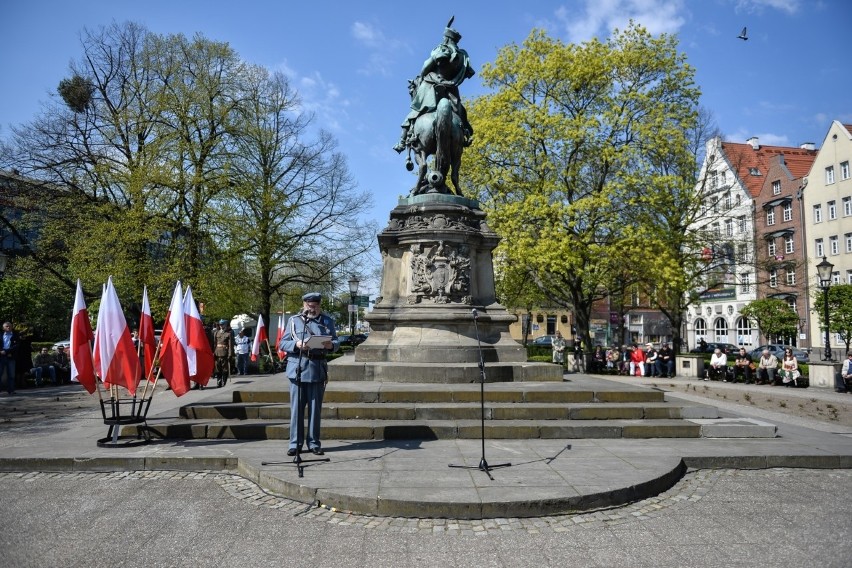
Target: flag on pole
[[146, 334], [82, 365], [199, 355], [259, 336], [173, 363], [279, 335], [116, 359]]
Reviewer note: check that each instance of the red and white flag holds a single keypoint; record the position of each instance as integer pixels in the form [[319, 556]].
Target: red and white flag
[[259, 336], [173, 362], [82, 364], [279, 335], [116, 359], [147, 339], [198, 353]]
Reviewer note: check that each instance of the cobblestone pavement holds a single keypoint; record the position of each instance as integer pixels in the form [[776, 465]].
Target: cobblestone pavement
[[775, 517]]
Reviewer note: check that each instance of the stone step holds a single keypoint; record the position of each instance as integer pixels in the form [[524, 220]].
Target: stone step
[[455, 411], [394, 392], [252, 429]]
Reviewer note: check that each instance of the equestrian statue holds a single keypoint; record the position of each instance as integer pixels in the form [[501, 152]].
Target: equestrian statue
[[437, 124]]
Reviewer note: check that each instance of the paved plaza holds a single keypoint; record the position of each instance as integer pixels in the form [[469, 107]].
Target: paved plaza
[[66, 502]]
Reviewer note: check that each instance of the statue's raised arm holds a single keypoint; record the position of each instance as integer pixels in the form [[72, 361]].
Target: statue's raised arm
[[437, 123]]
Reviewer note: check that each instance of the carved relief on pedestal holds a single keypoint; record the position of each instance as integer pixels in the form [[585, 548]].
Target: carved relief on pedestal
[[438, 222], [440, 273]]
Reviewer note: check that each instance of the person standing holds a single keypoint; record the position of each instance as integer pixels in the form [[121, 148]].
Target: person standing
[[8, 353], [242, 347], [307, 370], [558, 345], [223, 349]]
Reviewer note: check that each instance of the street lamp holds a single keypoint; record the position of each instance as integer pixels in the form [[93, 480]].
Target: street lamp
[[824, 269], [353, 291]]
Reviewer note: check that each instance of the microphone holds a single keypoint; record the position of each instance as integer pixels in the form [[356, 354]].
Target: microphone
[[475, 313]]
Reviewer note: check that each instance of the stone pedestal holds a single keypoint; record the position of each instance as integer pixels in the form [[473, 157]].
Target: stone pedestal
[[822, 373], [437, 275], [689, 365]]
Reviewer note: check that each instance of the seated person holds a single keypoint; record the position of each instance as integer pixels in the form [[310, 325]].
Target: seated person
[[651, 358], [718, 366], [62, 364], [766, 368], [598, 360], [845, 375], [666, 361], [41, 363], [789, 368], [742, 366]]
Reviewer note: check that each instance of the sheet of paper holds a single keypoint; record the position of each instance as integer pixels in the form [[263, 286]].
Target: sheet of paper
[[316, 341]]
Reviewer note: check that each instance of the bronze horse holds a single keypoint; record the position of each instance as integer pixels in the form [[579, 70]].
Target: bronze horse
[[439, 134]]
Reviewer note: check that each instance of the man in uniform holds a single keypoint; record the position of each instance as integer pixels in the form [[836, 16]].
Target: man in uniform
[[223, 349], [307, 370]]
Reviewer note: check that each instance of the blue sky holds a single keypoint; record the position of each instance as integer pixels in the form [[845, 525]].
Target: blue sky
[[351, 60]]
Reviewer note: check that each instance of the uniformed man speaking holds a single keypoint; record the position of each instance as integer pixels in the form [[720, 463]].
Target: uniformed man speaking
[[307, 370]]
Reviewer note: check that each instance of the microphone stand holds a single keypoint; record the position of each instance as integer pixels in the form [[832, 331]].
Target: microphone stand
[[483, 464], [297, 460]]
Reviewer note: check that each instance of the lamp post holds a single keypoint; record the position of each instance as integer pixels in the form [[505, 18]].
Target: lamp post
[[353, 291], [824, 269]]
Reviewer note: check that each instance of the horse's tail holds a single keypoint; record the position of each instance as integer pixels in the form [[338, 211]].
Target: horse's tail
[[443, 135]]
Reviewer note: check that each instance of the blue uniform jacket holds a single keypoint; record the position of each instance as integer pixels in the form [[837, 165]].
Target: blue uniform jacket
[[314, 366]]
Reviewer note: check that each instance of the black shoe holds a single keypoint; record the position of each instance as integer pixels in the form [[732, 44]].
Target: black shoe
[[220, 383], [317, 451], [291, 452]]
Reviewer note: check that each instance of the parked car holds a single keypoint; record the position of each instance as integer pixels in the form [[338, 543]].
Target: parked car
[[352, 340], [543, 341], [727, 348], [777, 349], [66, 343]]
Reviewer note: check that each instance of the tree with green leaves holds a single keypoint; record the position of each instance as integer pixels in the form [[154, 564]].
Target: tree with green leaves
[[562, 153], [839, 311], [775, 319]]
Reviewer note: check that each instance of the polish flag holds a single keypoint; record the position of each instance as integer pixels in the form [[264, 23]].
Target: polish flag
[[115, 356], [82, 365], [259, 336], [173, 363], [146, 334], [279, 335], [198, 352]]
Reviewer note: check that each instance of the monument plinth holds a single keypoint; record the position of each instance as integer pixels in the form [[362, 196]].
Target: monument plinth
[[436, 269]]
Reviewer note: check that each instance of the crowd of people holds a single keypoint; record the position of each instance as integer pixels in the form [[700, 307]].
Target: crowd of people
[[633, 360]]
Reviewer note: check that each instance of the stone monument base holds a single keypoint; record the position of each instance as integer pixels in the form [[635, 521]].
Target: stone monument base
[[347, 369]]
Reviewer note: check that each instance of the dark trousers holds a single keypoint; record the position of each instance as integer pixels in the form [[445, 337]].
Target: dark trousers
[[745, 371]]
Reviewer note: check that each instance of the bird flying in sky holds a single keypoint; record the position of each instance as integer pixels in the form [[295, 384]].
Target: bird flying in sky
[[743, 35]]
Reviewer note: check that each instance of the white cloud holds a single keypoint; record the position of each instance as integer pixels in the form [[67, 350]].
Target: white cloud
[[764, 138], [600, 17], [367, 34], [320, 97], [757, 6], [381, 48]]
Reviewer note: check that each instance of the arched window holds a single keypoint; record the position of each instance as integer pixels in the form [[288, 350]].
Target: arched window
[[700, 328], [743, 331], [720, 327]]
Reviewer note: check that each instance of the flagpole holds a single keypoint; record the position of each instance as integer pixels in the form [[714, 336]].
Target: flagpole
[[150, 373]]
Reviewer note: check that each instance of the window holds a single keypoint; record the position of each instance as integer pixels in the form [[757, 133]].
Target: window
[[700, 327], [742, 253], [844, 170], [742, 223], [788, 212], [743, 331], [791, 277], [715, 229], [829, 175], [792, 303], [835, 278], [770, 249], [727, 200], [713, 179], [849, 276], [773, 278], [745, 280], [770, 216], [776, 187], [847, 206], [832, 210], [729, 227], [848, 238], [721, 329], [739, 200], [833, 245], [788, 244], [818, 248], [818, 213]]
